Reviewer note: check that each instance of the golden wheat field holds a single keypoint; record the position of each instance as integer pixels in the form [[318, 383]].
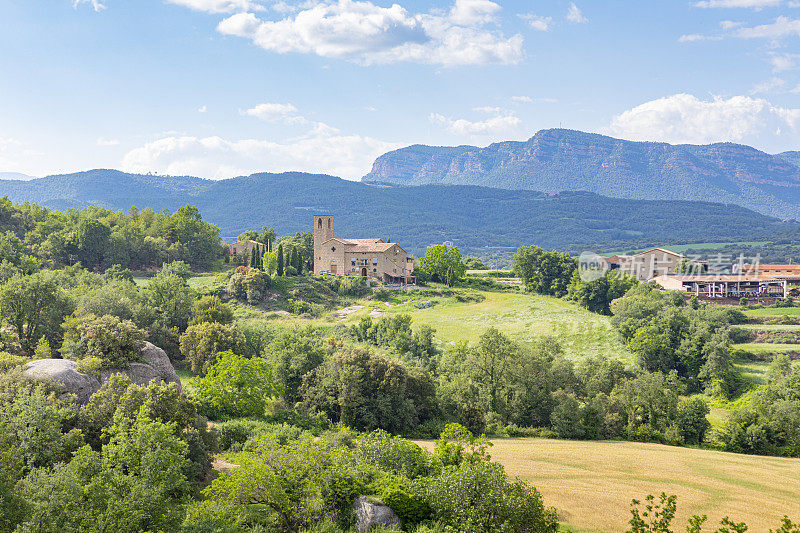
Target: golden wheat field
[[592, 483]]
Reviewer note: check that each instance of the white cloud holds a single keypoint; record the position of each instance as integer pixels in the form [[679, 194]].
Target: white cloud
[[202, 109], [96, 4], [367, 33], [488, 110], [347, 156], [683, 118], [473, 12], [102, 141], [536, 22], [272, 112], [574, 14], [284, 7], [14, 155], [499, 123], [782, 27], [529, 100], [784, 62], [754, 4], [768, 85], [695, 37], [219, 6], [730, 24]]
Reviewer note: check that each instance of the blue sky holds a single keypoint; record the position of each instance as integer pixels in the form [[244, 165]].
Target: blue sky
[[219, 88]]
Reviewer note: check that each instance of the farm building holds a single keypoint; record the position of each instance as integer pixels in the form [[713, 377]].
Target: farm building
[[244, 248], [647, 264], [787, 272], [725, 285], [369, 258]]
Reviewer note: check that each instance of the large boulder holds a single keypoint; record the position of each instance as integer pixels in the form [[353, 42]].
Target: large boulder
[[66, 373], [372, 512], [156, 366]]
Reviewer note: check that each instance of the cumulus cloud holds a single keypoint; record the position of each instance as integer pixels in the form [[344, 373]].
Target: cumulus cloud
[[474, 12], [536, 22], [96, 4], [367, 33], [347, 156], [754, 4], [500, 122], [574, 14], [219, 6], [782, 27], [684, 118], [271, 112]]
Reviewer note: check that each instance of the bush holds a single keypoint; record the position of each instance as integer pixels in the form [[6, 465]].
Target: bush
[[90, 365], [211, 309], [115, 342], [236, 386], [201, 343], [478, 497], [232, 434], [8, 361]]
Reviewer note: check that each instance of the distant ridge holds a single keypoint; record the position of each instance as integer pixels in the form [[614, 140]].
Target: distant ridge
[[15, 176], [472, 217], [558, 160]]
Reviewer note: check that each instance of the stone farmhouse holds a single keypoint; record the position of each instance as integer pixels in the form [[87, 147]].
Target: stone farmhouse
[[646, 265], [241, 250], [369, 258]]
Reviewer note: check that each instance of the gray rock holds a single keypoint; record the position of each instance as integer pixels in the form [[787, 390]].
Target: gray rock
[[372, 512], [65, 372], [156, 367]]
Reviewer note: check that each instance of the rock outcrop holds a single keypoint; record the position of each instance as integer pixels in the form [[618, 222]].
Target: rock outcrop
[[558, 160], [156, 366], [372, 512]]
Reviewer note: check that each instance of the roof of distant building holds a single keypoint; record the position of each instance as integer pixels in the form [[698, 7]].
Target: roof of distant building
[[720, 277]]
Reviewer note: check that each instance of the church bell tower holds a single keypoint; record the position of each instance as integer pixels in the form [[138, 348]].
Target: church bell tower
[[323, 230]]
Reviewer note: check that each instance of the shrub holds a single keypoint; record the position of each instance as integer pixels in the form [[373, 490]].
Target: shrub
[[232, 434], [478, 497], [236, 386], [9, 361], [90, 365], [201, 343], [115, 342], [211, 309]]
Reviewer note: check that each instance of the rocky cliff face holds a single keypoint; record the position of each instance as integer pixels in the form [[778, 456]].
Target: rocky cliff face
[[565, 160]]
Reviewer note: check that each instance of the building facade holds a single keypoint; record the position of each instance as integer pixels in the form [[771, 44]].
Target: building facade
[[369, 258], [725, 285], [646, 265]]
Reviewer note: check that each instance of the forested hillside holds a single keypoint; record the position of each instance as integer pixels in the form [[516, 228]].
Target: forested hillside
[[565, 160], [472, 217]]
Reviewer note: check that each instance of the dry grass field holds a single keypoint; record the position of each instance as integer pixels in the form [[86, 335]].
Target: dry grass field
[[592, 483]]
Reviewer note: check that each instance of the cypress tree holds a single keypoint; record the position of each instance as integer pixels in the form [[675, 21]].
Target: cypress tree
[[296, 260], [280, 260], [253, 260]]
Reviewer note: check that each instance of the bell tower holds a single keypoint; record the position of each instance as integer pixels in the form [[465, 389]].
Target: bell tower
[[323, 230]]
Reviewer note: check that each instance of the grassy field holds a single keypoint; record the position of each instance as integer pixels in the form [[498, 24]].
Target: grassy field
[[771, 327], [592, 483], [772, 311], [767, 348], [523, 317]]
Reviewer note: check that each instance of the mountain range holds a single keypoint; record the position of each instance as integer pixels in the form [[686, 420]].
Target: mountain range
[[557, 160], [472, 217]]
